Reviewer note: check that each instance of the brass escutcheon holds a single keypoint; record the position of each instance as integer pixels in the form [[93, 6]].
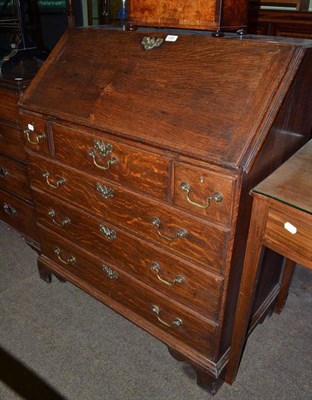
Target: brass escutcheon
[[8, 209], [110, 234], [103, 148], [3, 172], [105, 191], [109, 272], [149, 42]]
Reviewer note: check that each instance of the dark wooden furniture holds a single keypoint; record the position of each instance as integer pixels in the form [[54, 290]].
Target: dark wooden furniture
[[282, 221], [296, 24], [299, 5], [141, 168], [16, 205], [211, 14]]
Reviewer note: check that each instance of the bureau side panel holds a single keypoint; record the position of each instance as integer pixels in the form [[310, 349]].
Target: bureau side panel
[[290, 130]]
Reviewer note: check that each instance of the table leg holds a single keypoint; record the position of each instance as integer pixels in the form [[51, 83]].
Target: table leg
[[247, 288], [289, 269]]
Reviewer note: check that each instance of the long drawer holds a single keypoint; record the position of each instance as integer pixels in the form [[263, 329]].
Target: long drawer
[[110, 158], [152, 220], [14, 178], [112, 285], [187, 283], [19, 215], [300, 240]]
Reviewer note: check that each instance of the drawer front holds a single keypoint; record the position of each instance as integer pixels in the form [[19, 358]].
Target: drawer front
[[35, 131], [205, 193], [113, 285], [14, 178], [8, 101], [12, 142], [110, 159], [299, 242], [19, 215], [183, 281], [151, 220]]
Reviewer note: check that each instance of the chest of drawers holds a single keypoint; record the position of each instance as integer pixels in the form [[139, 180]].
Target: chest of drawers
[[140, 164], [16, 204]]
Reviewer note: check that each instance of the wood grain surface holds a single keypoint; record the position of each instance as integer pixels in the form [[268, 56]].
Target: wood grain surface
[[87, 271], [189, 101], [200, 290], [204, 242], [8, 101], [200, 14], [22, 219], [14, 178], [141, 170], [12, 142]]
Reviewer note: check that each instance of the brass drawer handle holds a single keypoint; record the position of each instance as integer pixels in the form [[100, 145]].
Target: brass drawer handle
[[37, 138], [110, 234], [8, 209], [180, 233], [217, 197], [176, 322], [177, 280], [105, 191], [59, 182], [103, 149], [111, 274], [69, 260], [63, 222], [3, 172], [111, 161]]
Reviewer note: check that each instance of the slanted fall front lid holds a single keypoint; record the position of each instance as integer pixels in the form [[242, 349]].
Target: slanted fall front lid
[[204, 96]]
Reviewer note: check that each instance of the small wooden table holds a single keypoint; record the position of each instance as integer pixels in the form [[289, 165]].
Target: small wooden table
[[282, 221]]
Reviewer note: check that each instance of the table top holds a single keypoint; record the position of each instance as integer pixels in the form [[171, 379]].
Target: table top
[[291, 183]]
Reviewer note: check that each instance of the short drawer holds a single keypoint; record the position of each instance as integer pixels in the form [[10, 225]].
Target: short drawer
[[190, 285], [152, 311], [12, 142], [299, 242], [109, 158], [8, 101], [14, 178], [151, 220], [19, 215], [204, 192], [35, 131]]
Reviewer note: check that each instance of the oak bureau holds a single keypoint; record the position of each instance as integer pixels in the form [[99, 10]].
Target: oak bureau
[[142, 154]]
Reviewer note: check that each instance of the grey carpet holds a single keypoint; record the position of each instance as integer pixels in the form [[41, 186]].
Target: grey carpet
[[59, 343]]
